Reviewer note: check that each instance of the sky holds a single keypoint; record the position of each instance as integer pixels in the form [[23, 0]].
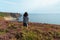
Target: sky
[[30, 6]]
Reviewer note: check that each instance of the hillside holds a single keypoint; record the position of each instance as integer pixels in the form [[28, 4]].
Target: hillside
[[36, 31], [9, 16], [2, 14], [14, 30]]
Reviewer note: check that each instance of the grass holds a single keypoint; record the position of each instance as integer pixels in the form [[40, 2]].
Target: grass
[[15, 31], [33, 34], [2, 14]]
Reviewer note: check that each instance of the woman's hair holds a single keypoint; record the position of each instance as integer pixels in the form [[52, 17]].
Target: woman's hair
[[25, 14]]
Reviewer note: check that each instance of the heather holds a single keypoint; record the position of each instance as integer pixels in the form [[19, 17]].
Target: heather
[[14, 30]]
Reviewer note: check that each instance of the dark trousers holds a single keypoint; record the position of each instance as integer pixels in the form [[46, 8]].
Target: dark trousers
[[25, 24]]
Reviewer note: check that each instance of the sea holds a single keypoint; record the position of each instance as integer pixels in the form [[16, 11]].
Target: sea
[[43, 18]]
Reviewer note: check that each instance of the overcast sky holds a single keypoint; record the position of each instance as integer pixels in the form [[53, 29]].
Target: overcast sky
[[31, 6]]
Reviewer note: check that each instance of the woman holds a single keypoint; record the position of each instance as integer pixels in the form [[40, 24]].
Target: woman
[[25, 19]]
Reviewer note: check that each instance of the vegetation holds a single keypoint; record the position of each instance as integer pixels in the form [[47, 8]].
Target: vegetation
[[2, 14], [36, 31]]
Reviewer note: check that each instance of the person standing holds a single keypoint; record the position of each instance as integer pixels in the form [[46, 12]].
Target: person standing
[[25, 19]]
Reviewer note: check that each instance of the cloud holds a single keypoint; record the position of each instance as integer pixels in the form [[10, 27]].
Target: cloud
[[8, 2], [48, 5], [31, 5], [34, 4]]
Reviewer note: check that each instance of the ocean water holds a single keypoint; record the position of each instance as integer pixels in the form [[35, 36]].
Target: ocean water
[[44, 18]]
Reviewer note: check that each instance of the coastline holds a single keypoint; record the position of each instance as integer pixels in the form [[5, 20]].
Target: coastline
[[30, 23]]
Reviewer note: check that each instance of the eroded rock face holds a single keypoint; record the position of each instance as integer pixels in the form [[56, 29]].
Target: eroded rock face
[[10, 16], [15, 15]]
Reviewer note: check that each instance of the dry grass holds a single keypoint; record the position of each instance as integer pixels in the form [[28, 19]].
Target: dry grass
[[36, 31]]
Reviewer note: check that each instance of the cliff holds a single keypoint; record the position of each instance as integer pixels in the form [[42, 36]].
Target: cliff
[[10, 16]]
